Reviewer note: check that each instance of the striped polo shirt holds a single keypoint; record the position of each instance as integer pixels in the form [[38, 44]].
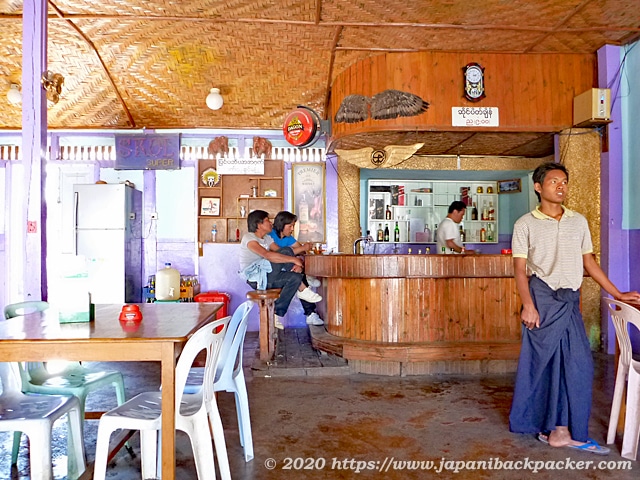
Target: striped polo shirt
[[553, 249]]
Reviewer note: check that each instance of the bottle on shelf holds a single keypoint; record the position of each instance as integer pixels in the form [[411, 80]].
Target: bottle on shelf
[[386, 232], [237, 234], [214, 233], [485, 211], [474, 212], [380, 236], [387, 214], [427, 233], [492, 212], [489, 232], [483, 234], [462, 235], [396, 233]]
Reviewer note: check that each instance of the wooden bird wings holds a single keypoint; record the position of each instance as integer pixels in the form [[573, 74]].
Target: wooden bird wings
[[382, 106]]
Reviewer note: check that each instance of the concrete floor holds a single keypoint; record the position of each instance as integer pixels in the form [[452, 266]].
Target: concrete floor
[[312, 419]]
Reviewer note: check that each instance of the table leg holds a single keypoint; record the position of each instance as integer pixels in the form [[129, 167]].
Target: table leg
[[168, 367]]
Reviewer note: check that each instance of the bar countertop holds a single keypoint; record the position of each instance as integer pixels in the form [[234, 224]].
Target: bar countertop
[[409, 266]]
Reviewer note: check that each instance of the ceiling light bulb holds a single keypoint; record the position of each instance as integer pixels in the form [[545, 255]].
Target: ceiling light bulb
[[14, 95], [214, 99]]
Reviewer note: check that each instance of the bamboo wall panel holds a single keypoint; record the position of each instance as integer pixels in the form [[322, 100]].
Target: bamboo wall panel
[[533, 92]]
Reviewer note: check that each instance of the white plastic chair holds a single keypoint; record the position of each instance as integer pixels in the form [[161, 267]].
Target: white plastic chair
[[229, 375], [34, 415], [622, 315], [143, 412]]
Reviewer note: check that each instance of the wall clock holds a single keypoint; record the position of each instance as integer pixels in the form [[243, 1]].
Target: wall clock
[[473, 82]]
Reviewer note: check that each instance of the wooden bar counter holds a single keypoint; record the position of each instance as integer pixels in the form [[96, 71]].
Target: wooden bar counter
[[418, 314]]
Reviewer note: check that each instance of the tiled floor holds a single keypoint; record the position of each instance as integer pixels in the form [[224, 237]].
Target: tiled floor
[[322, 422]]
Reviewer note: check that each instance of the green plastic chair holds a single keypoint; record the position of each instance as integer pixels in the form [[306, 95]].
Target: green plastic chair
[[75, 379], [24, 308]]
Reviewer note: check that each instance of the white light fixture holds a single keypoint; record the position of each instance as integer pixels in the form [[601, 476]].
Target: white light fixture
[[14, 95], [214, 99]]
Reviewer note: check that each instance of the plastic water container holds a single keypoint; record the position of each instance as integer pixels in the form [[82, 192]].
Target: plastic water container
[[167, 283]]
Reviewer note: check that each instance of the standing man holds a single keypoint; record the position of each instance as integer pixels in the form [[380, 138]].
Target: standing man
[[551, 245], [263, 268], [448, 233]]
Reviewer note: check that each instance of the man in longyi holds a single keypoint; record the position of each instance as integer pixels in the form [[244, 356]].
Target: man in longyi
[[551, 245]]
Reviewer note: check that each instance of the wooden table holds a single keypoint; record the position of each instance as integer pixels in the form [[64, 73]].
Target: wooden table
[[159, 337]]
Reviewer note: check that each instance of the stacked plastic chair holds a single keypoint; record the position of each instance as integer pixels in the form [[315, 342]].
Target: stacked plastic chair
[[229, 376], [34, 415], [144, 413], [622, 316]]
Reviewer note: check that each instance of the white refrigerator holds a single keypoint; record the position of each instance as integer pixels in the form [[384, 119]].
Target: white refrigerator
[[108, 233]]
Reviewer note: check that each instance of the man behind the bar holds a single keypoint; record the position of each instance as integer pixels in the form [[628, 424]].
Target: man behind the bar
[[551, 244], [448, 233]]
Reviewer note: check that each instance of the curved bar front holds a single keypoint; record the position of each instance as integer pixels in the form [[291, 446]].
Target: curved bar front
[[417, 314]]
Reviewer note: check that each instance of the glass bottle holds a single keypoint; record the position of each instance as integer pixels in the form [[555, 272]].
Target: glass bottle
[[214, 233], [462, 236], [380, 236], [489, 232], [303, 210], [386, 232], [483, 234], [396, 233], [485, 211], [474, 212], [388, 213], [492, 212]]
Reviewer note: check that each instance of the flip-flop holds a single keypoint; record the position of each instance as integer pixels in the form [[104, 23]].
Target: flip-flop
[[590, 446]]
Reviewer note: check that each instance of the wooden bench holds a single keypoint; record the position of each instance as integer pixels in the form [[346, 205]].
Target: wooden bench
[[268, 335]]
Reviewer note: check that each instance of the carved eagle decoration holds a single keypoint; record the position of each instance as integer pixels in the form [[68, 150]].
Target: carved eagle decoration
[[383, 106]]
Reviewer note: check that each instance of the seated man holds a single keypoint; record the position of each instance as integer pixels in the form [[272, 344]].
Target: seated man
[[263, 268]]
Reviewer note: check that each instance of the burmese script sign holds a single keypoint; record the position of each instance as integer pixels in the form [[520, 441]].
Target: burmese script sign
[[475, 117], [148, 152], [240, 166]]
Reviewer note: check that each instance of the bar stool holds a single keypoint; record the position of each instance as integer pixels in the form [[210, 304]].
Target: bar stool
[[268, 335]]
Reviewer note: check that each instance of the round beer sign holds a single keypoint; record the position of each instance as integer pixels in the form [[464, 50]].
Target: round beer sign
[[300, 126]]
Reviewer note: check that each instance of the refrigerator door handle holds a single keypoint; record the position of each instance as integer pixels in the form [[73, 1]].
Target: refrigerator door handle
[[75, 223]]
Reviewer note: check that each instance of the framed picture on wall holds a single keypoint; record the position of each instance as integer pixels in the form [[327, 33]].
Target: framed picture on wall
[[308, 193], [509, 186], [210, 206]]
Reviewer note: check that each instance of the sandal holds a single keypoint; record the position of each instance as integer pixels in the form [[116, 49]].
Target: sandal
[[590, 445]]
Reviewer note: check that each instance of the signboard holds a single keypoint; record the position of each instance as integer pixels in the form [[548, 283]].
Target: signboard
[[308, 191], [475, 117], [300, 127], [240, 166], [148, 152]]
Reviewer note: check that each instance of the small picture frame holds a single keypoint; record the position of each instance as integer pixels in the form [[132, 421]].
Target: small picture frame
[[509, 186], [210, 206]]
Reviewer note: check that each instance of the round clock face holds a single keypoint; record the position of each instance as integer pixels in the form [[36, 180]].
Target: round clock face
[[474, 74]]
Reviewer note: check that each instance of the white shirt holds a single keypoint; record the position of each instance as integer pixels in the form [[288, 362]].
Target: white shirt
[[247, 257], [447, 230]]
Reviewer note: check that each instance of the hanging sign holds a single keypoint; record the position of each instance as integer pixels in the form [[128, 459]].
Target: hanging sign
[[300, 127], [475, 117], [148, 152], [240, 166]]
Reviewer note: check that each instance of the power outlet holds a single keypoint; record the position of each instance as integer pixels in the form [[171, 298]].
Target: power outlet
[[32, 226], [154, 216]]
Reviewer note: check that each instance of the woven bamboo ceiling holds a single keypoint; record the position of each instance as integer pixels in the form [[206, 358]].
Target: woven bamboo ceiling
[[150, 63]]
